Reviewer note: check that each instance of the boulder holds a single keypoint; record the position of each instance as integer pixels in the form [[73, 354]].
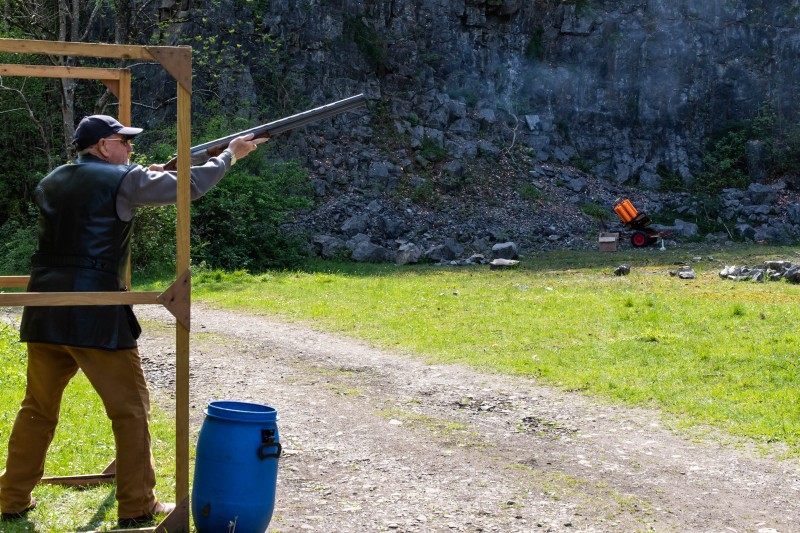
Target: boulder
[[369, 252], [505, 250], [328, 246], [408, 253]]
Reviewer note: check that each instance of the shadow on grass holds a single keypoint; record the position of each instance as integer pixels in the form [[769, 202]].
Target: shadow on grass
[[556, 260]]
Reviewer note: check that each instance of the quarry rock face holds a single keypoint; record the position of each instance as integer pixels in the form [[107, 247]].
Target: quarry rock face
[[629, 87], [583, 101]]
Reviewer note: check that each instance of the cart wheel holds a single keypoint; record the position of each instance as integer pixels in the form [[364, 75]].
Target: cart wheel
[[640, 239]]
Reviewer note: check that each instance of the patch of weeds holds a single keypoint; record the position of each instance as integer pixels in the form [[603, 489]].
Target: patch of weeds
[[368, 41], [596, 211], [341, 390], [530, 192], [581, 164], [670, 181], [432, 150], [649, 336], [424, 194]]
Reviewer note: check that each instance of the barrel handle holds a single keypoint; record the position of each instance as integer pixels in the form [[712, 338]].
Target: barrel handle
[[262, 451]]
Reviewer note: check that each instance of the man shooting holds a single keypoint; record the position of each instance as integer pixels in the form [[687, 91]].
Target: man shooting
[[86, 212]]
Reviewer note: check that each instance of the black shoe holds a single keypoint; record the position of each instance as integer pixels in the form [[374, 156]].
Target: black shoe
[[159, 508], [15, 516]]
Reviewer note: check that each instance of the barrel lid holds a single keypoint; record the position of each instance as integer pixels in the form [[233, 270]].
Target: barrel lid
[[244, 411]]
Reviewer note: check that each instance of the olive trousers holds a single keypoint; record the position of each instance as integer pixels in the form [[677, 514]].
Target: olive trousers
[[118, 378]]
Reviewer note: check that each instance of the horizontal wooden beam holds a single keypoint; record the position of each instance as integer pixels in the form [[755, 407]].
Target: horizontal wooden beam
[[63, 48], [13, 281], [78, 298], [177, 60], [82, 481], [52, 71]]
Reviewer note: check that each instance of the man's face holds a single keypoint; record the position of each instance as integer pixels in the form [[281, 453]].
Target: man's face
[[117, 149]]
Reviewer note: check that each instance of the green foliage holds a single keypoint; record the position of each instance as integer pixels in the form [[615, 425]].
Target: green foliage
[[371, 45], [29, 143], [670, 181], [725, 161], [725, 164], [237, 224], [423, 192], [530, 193], [535, 49], [153, 241], [581, 164], [18, 237], [432, 150], [596, 211]]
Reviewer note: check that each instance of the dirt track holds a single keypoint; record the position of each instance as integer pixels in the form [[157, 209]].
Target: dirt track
[[379, 441]]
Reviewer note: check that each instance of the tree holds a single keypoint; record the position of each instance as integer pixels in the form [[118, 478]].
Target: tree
[[75, 21]]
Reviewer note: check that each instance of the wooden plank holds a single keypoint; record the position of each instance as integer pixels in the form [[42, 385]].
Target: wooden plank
[[78, 298], [123, 95], [177, 61], [80, 481], [134, 530], [177, 520], [52, 71], [14, 281], [182, 435], [62, 48], [177, 299]]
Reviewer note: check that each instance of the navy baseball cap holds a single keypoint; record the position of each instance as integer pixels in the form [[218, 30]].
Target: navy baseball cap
[[95, 127]]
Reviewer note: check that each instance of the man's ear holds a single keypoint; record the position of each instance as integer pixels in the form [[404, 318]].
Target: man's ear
[[101, 147]]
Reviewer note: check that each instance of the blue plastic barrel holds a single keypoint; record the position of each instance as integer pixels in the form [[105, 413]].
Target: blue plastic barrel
[[236, 468]]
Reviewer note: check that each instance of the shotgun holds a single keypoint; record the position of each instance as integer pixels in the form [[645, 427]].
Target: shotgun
[[202, 152]]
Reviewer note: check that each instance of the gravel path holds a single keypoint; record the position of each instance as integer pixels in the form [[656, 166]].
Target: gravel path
[[380, 441]]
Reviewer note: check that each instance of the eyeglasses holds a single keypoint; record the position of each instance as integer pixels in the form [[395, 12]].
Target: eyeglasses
[[125, 140]]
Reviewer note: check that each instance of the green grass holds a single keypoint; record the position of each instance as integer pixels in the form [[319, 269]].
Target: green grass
[[706, 351], [83, 444]]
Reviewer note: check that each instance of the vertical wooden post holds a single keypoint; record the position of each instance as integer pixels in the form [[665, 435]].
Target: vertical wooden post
[[124, 116], [182, 266], [124, 97]]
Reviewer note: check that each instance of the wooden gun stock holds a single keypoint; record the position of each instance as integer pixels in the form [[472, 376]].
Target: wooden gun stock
[[202, 152]]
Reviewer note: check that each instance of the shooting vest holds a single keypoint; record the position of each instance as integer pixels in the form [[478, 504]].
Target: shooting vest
[[83, 247]]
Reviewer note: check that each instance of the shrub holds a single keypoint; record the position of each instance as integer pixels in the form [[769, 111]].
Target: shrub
[[725, 164], [18, 239], [153, 239], [596, 211], [237, 225], [432, 150], [530, 192]]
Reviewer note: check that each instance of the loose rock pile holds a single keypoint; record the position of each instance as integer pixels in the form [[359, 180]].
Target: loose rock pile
[[771, 271], [436, 214]]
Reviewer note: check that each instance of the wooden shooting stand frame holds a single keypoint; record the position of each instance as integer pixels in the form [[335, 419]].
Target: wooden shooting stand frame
[[177, 61]]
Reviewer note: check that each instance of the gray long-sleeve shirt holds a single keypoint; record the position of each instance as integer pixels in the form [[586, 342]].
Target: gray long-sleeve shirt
[[142, 187]]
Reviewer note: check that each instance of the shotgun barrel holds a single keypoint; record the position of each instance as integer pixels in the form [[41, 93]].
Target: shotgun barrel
[[202, 152]]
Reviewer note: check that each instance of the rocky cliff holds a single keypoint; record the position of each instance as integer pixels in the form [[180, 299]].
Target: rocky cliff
[[623, 85], [471, 94]]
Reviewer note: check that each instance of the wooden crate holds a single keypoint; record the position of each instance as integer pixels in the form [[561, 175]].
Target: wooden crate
[[608, 242]]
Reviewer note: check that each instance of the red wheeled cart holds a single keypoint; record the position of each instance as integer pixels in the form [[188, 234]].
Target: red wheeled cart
[[638, 222]]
